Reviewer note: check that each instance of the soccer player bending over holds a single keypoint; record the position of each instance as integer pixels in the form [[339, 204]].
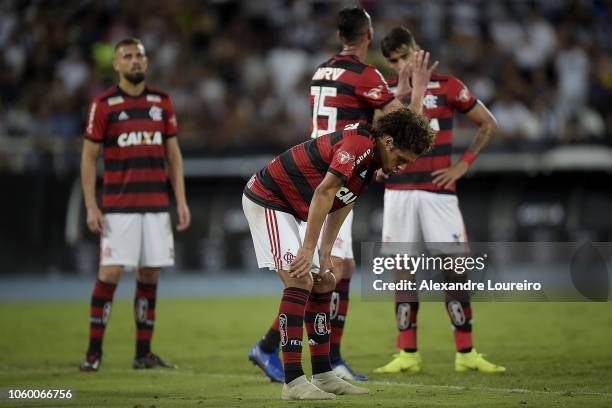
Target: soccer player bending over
[[304, 184], [421, 204], [346, 90], [136, 128]]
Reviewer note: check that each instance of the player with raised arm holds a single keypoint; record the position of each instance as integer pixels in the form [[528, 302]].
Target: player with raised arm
[[306, 183], [135, 126], [420, 203], [345, 90]]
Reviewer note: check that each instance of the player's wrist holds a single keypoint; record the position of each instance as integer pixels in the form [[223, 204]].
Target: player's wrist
[[468, 157]]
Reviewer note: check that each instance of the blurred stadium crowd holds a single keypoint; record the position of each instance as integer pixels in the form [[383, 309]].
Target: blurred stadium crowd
[[238, 71]]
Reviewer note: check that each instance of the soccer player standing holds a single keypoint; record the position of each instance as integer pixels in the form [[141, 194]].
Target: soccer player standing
[[306, 183], [136, 127], [345, 90], [420, 203]]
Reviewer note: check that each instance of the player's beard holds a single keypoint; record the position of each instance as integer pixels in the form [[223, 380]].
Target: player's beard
[[135, 77]]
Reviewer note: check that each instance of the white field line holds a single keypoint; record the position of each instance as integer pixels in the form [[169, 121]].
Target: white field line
[[375, 382]]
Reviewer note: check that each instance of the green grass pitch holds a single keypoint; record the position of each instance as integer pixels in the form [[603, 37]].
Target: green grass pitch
[[557, 354]]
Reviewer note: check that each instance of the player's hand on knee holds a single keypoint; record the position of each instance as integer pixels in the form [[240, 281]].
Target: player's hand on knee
[[302, 264], [95, 220]]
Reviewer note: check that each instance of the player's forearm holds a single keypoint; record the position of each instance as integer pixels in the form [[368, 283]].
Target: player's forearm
[[416, 98], [483, 137], [88, 182], [320, 205], [177, 177], [332, 228], [88, 178]]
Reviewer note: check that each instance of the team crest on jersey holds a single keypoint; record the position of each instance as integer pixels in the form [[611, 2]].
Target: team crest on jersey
[[430, 101], [288, 257], [464, 95], [155, 113], [344, 157], [374, 93]]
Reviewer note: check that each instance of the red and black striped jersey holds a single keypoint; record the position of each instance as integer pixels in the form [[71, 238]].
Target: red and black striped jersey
[[288, 182], [445, 94], [133, 130], [344, 90]]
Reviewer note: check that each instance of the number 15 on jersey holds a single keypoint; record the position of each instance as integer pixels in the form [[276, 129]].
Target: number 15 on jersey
[[320, 111]]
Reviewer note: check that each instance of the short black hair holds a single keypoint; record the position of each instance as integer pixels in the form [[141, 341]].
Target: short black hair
[[410, 130], [397, 37], [352, 22], [127, 41]]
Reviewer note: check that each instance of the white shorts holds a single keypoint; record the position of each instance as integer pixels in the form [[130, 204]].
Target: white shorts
[[416, 216], [343, 246], [137, 240], [276, 236]]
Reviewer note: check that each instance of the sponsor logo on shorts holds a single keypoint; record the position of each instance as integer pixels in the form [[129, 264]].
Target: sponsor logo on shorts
[[320, 324], [107, 252], [282, 328]]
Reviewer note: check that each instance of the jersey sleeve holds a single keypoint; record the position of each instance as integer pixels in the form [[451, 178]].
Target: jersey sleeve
[[95, 126], [460, 97], [373, 89], [345, 154], [170, 120]]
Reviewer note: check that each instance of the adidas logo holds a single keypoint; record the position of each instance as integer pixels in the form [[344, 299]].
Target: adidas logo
[[363, 173], [123, 116]]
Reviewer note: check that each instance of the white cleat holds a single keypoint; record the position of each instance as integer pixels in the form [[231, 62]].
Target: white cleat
[[302, 389], [330, 382]]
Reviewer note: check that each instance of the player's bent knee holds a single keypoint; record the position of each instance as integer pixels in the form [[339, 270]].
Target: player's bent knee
[[148, 275], [110, 273], [324, 282], [303, 282], [348, 268]]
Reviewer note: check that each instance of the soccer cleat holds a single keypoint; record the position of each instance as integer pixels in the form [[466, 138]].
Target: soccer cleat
[[330, 382], [269, 363], [344, 371], [403, 361], [302, 389], [475, 361], [91, 363], [150, 361]]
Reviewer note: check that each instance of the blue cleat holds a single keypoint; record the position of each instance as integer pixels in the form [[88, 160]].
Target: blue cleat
[[269, 363], [344, 371]]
